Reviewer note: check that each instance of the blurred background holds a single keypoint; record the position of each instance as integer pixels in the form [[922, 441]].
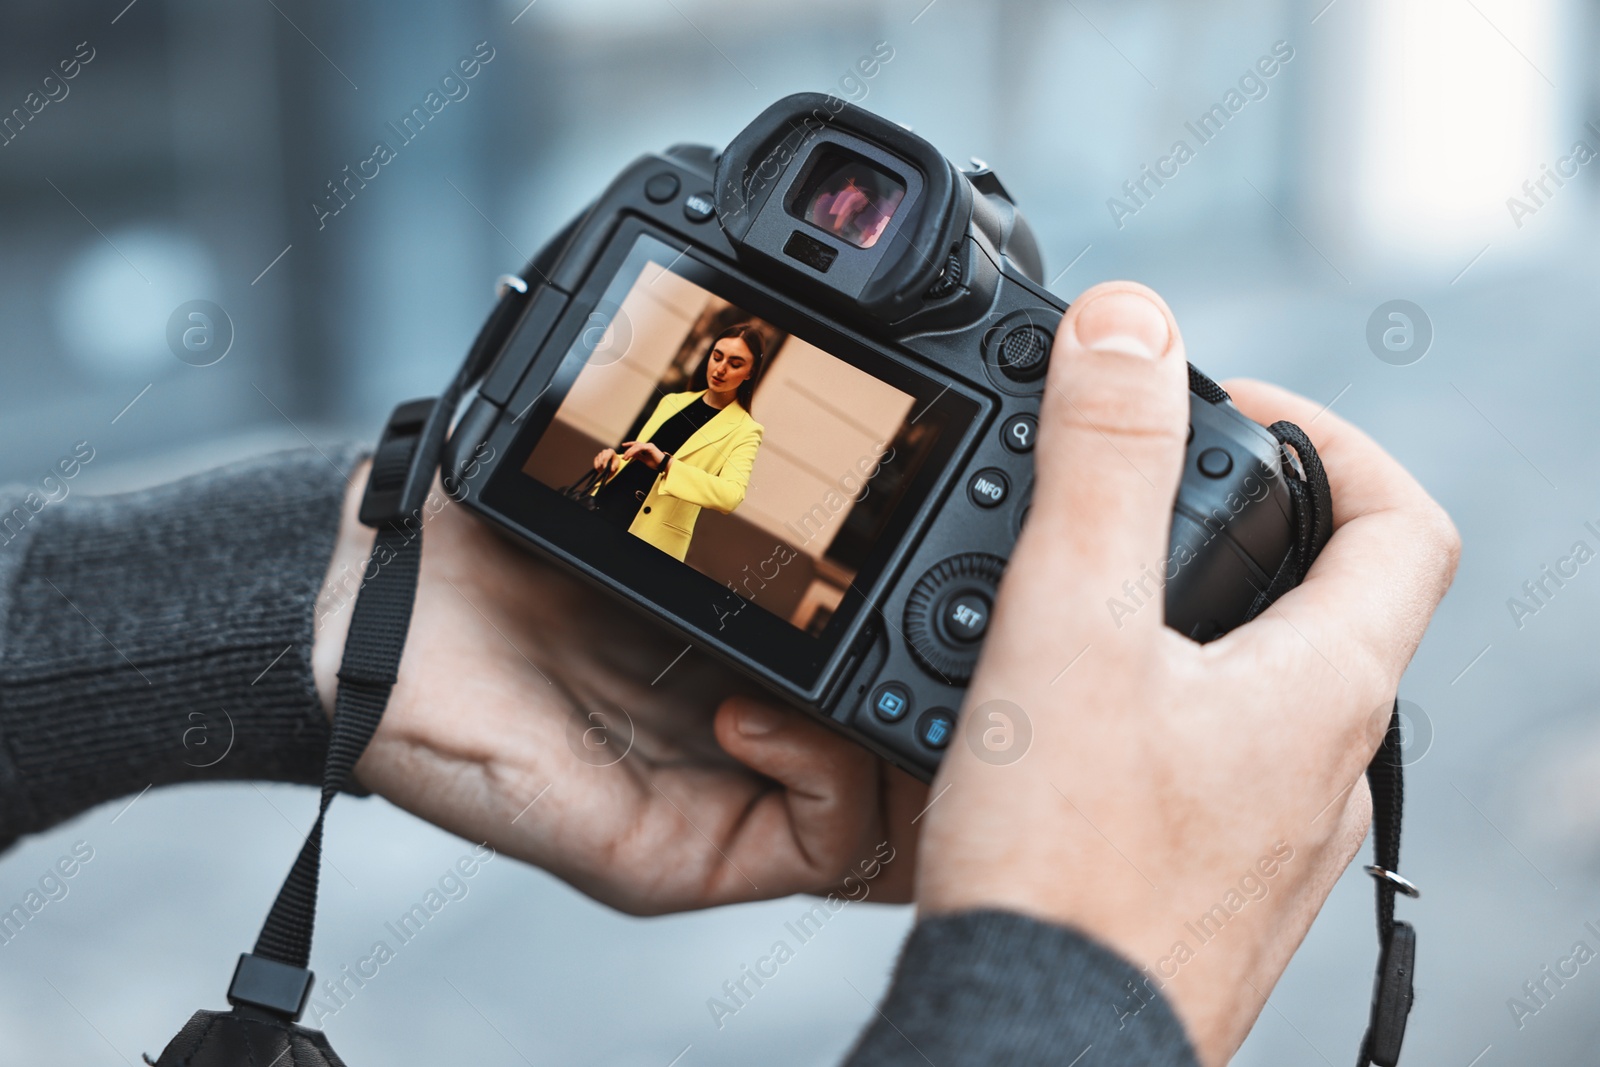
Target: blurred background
[[1401, 152]]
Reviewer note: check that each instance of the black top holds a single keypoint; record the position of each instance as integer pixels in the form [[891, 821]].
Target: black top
[[620, 498]]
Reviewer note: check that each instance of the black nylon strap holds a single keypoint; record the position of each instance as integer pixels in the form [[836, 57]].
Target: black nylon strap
[[377, 637], [1392, 992], [1385, 776]]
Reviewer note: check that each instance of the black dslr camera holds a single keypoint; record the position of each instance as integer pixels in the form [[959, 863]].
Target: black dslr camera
[[836, 340]]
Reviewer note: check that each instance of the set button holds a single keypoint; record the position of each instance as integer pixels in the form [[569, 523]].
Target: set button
[[966, 617]]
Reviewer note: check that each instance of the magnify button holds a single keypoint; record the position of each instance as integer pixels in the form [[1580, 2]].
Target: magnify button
[[1019, 432]]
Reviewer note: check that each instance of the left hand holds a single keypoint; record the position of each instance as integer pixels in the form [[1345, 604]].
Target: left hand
[[645, 453], [720, 797]]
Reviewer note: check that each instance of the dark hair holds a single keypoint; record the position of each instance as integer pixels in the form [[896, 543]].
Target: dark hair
[[753, 340]]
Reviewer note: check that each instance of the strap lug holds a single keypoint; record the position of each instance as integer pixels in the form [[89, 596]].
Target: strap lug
[[404, 464]]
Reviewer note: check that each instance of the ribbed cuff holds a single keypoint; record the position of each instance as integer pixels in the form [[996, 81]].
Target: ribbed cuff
[[164, 636], [998, 988]]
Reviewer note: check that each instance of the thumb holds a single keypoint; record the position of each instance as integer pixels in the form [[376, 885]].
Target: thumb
[[1112, 433], [827, 809]]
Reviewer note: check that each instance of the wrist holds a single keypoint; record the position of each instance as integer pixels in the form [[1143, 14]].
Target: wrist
[[341, 583]]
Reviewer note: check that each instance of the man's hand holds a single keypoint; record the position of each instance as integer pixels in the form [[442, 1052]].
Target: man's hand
[[1191, 806], [535, 714]]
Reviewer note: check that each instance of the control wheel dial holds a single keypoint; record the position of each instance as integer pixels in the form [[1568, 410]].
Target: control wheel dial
[[947, 614]]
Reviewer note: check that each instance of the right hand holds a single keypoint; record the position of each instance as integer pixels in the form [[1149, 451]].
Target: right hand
[[1162, 773], [606, 460]]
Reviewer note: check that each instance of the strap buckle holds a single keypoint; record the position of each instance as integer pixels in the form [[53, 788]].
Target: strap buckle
[[404, 464], [1392, 996]]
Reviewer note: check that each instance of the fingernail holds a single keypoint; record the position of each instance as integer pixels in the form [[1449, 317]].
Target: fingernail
[[755, 720], [1126, 322]]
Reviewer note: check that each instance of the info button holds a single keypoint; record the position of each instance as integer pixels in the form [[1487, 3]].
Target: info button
[[989, 488]]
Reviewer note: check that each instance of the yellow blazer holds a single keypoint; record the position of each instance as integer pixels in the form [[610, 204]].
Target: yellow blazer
[[711, 470]]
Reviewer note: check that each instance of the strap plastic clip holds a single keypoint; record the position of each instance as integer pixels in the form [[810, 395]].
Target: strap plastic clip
[[265, 983], [404, 464], [1392, 996]]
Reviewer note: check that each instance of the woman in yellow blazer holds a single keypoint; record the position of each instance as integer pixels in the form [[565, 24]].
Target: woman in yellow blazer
[[695, 451]]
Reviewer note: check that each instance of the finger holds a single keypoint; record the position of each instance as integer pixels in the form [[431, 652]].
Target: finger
[[903, 800], [1111, 440], [1369, 595], [823, 823]]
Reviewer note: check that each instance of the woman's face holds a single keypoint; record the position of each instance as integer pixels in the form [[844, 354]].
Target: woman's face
[[729, 366]]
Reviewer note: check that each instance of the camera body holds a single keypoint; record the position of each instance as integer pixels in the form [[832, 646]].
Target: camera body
[[905, 331]]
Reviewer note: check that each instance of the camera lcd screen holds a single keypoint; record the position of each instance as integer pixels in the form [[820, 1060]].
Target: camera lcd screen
[[799, 457], [847, 196]]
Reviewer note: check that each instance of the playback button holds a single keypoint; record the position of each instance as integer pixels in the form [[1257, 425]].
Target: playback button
[[891, 701]]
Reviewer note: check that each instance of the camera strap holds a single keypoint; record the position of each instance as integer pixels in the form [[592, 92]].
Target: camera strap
[[272, 982], [1392, 991]]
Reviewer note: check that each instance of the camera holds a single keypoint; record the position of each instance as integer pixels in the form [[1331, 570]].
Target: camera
[[838, 340]]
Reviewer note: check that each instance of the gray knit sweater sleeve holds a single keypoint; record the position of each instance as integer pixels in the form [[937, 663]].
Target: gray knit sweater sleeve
[[165, 636], [1003, 990], [143, 635]]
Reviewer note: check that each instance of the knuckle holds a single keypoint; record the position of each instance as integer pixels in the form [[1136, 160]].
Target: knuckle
[[1447, 541], [1355, 823], [1376, 723]]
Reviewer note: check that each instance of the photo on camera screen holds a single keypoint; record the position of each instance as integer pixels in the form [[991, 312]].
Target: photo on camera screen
[[787, 465]]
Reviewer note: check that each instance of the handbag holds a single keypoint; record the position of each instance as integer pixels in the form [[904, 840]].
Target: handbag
[[582, 492]]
